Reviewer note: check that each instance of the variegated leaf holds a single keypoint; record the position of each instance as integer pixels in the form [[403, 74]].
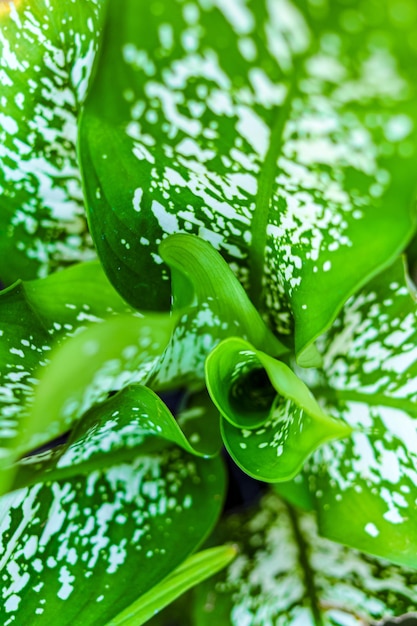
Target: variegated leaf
[[47, 49], [87, 367], [282, 132], [212, 305], [81, 550], [111, 432], [366, 486], [287, 575], [34, 316], [270, 421]]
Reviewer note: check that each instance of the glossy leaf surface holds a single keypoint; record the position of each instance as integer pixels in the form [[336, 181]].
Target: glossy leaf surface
[[271, 422], [111, 432], [193, 571], [47, 49], [36, 315], [366, 485], [287, 574], [87, 367], [277, 131], [212, 305], [82, 549]]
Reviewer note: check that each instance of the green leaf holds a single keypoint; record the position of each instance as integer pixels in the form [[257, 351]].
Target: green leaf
[[79, 293], [199, 421], [24, 347], [111, 432], [285, 573], [81, 550], [193, 571], [212, 304], [47, 49], [271, 422], [277, 131], [296, 492], [35, 315], [195, 261], [87, 367], [366, 486]]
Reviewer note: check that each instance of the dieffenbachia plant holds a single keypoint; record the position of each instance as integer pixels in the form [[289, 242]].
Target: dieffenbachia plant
[[246, 170]]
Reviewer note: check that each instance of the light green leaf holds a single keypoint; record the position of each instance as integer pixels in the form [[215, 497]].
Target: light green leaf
[[273, 129], [47, 49], [193, 571], [75, 296], [87, 367], [81, 550], [271, 421], [287, 575], [24, 347], [111, 432], [212, 304], [365, 486], [34, 315]]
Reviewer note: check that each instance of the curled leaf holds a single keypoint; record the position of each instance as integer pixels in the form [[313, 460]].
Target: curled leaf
[[212, 304], [270, 429]]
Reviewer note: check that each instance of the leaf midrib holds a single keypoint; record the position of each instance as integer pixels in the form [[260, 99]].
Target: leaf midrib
[[266, 182], [308, 571]]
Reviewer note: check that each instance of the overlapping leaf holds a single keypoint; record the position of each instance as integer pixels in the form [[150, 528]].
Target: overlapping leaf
[[287, 575], [212, 304], [47, 49], [111, 432], [33, 315], [195, 569], [80, 550], [281, 133], [365, 486], [270, 421]]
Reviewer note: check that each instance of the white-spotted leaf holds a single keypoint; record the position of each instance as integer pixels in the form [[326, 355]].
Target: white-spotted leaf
[[274, 130], [286, 574], [35, 316], [270, 421], [47, 50], [112, 432], [365, 486], [80, 550], [212, 305]]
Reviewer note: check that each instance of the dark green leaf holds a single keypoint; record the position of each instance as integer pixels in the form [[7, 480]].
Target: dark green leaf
[[193, 571], [47, 49], [81, 550], [278, 132]]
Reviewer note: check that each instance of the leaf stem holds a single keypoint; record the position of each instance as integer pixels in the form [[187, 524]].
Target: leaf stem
[[263, 201]]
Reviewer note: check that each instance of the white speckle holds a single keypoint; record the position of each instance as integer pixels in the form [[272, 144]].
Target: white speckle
[[12, 603], [66, 578], [398, 128], [8, 124], [371, 529], [137, 199]]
